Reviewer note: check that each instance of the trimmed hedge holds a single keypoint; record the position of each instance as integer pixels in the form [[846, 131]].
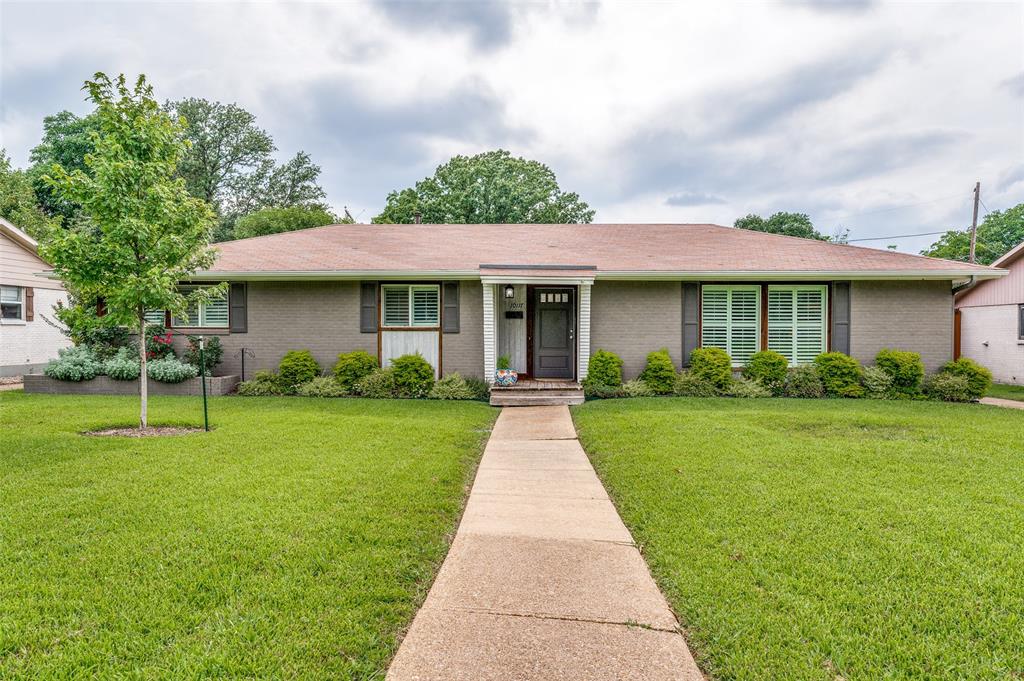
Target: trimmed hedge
[[839, 374], [904, 368], [712, 365], [769, 369], [660, 374], [979, 379], [351, 366], [297, 367], [605, 369], [414, 377]]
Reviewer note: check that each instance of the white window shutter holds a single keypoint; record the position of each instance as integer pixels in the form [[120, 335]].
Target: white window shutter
[[395, 305], [780, 323], [715, 318], [796, 322], [425, 306], [743, 323]]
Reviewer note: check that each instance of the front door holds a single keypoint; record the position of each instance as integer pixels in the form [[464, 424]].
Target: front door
[[554, 338]]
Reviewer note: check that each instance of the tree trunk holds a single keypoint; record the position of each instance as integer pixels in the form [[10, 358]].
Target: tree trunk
[[143, 378]]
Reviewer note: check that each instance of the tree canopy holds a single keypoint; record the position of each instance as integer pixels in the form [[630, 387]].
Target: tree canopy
[[67, 138], [789, 224], [999, 231], [141, 231], [18, 203], [489, 188], [288, 219]]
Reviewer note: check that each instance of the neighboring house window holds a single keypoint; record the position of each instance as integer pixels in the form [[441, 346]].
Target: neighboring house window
[[410, 306], [796, 322], [213, 314], [1020, 322], [730, 320], [156, 317], [12, 302]]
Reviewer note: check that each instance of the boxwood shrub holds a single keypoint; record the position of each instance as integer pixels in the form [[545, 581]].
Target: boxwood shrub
[[351, 366], [769, 369], [838, 372], [605, 369], [660, 374], [297, 367], [712, 365], [414, 377], [979, 379], [904, 368]]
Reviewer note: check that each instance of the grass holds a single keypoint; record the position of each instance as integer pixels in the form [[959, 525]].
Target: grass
[[826, 539], [295, 540], [1007, 392]]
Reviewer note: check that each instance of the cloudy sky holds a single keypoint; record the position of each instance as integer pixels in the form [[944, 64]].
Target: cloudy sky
[[871, 116]]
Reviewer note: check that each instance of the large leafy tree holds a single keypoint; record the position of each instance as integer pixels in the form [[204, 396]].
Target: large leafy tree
[[67, 138], [489, 188], [276, 220], [141, 231], [999, 231], [18, 202], [789, 224]]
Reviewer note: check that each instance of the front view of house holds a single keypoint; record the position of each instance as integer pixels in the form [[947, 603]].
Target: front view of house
[[548, 296]]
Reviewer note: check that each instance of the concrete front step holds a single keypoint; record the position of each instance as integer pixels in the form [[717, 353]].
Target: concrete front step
[[528, 398]]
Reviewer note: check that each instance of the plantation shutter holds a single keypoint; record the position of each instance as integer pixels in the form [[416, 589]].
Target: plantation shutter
[[238, 313], [691, 319], [450, 309], [30, 303], [425, 305], [841, 317], [368, 307], [395, 305], [730, 320], [156, 317], [215, 313], [796, 322]]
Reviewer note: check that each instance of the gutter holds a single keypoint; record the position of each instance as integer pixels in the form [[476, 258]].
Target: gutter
[[969, 284]]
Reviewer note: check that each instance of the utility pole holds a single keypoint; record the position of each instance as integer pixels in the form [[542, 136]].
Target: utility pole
[[974, 220]]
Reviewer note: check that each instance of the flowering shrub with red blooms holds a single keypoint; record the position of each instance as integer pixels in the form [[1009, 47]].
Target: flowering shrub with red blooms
[[158, 342]]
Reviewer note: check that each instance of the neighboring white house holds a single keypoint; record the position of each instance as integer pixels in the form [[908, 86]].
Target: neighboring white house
[[990, 319], [28, 337]]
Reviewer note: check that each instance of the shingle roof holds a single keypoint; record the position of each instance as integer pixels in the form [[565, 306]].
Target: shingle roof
[[599, 249]]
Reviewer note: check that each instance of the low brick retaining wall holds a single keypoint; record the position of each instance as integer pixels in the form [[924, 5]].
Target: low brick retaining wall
[[104, 385]]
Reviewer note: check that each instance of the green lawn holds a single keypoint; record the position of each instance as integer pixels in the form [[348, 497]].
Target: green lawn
[[827, 539], [295, 540], [1007, 392]]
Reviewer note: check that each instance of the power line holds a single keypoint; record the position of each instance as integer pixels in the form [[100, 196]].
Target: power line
[[897, 236]]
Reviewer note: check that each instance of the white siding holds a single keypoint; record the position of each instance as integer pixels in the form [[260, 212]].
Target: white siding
[[394, 344], [26, 346], [18, 267], [490, 328], [584, 332], [988, 335]]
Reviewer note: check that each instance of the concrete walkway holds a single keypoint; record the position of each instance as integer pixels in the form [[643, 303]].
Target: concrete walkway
[[543, 580], [1000, 402]]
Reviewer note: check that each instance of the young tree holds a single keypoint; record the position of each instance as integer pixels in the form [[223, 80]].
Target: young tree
[[489, 188], [998, 232], [18, 202], [789, 224], [142, 232]]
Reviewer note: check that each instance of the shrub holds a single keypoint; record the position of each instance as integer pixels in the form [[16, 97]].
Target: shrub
[[660, 374], [852, 391], [746, 387], [74, 364], [769, 369], [948, 387], [877, 383], [452, 387], [637, 388], [904, 368], [264, 383], [979, 379], [123, 366], [837, 372], [170, 370], [414, 377], [158, 342], [605, 369], [689, 384], [480, 388], [351, 366], [213, 353], [297, 367], [712, 365], [380, 384], [321, 386], [597, 391], [105, 341], [803, 381]]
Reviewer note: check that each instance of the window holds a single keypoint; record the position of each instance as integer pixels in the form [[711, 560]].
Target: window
[[404, 305], [155, 317], [1020, 322], [213, 314], [796, 322], [12, 302], [730, 320]]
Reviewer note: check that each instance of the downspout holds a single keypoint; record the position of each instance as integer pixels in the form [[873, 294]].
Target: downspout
[[971, 283]]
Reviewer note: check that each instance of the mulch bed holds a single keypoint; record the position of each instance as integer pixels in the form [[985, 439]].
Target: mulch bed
[[151, 431]]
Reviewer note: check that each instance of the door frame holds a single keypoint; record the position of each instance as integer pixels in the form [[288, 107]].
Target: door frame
[[531, 310]]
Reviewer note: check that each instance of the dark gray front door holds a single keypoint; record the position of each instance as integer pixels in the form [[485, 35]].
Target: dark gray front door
[[554, 338]]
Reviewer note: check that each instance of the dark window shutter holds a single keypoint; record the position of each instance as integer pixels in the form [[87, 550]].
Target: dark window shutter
[[30, 304], [237, 312], [450, 309], [368, 307], [691, 317], [101, 307], [841, 317]]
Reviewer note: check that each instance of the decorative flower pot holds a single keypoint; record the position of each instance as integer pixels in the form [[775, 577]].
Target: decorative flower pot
[[505, 377]]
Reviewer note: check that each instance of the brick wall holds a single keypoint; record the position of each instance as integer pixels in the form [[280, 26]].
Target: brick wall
[[989, 336], [632, 318], [906, 315], [464, 351], [26, 347]]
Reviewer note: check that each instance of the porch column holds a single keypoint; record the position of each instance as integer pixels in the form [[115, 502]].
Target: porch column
[[583, 357], [490, 333]]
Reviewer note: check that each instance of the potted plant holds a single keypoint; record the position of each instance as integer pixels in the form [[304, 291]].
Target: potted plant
[[503, 375]]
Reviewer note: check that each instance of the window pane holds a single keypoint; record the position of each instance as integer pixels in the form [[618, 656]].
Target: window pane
[[10, 310], [10, 294], [395, 305], [191, 317], [155, 317], [215, 312], [425, 306]]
